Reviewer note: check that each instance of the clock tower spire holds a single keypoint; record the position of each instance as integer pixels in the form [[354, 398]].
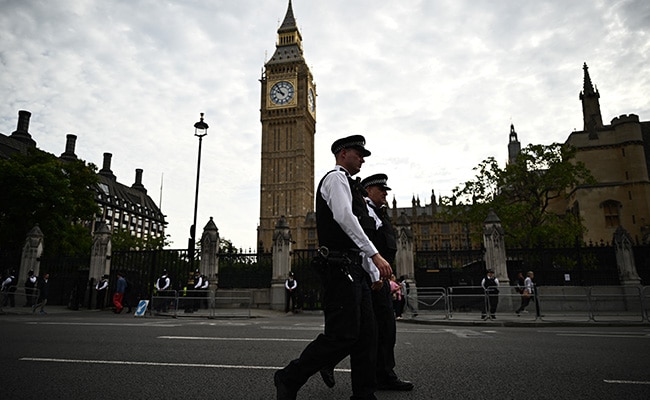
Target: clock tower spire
[[288, 116]]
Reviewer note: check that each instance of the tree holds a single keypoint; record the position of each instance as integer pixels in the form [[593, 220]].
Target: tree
[[527, 195], [125, 239], [38, 188]]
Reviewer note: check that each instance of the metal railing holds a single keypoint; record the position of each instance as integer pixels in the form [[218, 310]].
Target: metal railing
[[20, 297], [550, 303], [214, 303]]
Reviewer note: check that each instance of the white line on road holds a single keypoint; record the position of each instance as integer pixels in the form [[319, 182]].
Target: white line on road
[[148, 324], [154, 364], [628, 382], [234, 339], [606, 335], [466, 333]]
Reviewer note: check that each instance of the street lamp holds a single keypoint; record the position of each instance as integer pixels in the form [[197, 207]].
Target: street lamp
[[200, 130]]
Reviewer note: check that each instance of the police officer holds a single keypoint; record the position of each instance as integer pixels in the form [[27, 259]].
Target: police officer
[[30, 288], [9, 289], [290, 290], [162, 285], [205, 287], [382, 234], [349, 320], [491, 286], [198, 284], [102, 290]]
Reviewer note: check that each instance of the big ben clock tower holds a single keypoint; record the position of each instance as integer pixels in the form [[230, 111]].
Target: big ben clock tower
[[288, 116]]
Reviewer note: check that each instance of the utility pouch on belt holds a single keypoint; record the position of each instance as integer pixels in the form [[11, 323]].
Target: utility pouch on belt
[[326, 259], [319, 262]]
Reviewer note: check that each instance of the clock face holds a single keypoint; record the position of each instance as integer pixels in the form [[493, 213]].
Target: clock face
[[282, 93], [311, 100]]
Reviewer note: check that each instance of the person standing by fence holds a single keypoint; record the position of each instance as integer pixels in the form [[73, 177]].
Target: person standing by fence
[[30, 288], [118, 297], [290, 288], [9, 289], [43, 293], [205, 287], [396, 294], [162, 285], [491, 286], [102, 289], [528, 293]]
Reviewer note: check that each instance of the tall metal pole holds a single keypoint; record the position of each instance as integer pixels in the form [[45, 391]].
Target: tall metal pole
[[201, 129]]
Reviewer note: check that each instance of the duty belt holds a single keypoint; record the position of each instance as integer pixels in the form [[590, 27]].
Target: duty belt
[[343, 258], [352, 254]]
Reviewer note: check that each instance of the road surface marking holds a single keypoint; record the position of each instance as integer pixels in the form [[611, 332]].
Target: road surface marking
[[155, 364], [148, 324], [234, 339], [606, 335], [466, 333], [628, 382]]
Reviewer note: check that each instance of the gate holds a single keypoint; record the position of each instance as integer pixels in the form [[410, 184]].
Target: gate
[[245, 270], [68, 280], [310, 289], [142, 267]]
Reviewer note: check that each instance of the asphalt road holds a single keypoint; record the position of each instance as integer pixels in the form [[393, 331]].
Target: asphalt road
[[101, 355]]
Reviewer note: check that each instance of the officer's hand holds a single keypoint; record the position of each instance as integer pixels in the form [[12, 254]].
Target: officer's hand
[[385, 271], [377, 285]]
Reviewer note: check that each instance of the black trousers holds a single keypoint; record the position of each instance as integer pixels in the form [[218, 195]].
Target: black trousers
[[382, 304], [289, 297], [491, 303], [349, 330]]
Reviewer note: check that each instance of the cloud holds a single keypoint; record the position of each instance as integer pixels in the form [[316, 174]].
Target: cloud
[[434, 86]]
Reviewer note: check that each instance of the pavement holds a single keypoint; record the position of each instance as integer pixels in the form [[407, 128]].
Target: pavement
[[526, 319]]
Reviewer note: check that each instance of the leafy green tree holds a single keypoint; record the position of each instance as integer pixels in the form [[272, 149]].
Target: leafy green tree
[[124, 239], [525, 195], [38, 188]]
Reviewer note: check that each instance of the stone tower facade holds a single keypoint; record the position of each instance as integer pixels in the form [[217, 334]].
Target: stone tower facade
[[288, 116], [618, 156]]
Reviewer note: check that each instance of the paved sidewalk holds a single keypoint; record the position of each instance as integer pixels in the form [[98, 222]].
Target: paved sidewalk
[[426, 318]]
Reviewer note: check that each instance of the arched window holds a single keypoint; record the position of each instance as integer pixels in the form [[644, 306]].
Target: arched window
[[611, 211]]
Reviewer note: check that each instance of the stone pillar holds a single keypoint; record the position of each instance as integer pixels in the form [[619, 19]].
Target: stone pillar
[[31, 256], [627, 272], [281, 262], [404, 259], [495, 249], [100, 254], [495, 258], [210, 253]]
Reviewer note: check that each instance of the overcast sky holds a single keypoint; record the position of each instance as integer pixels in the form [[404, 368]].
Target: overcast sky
[[433, 85]]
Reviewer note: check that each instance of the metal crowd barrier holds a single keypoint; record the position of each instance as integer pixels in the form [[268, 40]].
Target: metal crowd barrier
[[645, 301], [620, 303], [211, 303], [431, 300], [20, 298], [550, 303]]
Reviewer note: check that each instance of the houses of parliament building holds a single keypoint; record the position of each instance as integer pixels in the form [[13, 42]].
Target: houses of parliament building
[[617, 154]]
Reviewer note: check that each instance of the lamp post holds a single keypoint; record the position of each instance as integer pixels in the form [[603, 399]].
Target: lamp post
[[200, 130]]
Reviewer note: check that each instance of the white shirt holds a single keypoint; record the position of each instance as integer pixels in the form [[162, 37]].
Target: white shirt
[[7, 282], [368, 265], [166, 278], [528, 284], [335, 186], [373, 213], [294, 284], [338, 196]]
